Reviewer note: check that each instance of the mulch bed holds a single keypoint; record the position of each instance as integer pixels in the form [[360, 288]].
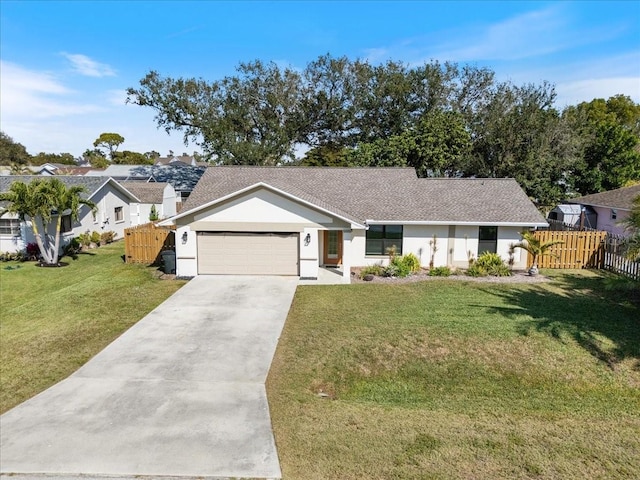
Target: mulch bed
[[517, 276]]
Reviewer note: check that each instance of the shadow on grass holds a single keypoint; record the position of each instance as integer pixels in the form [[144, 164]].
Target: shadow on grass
[[601, 313]]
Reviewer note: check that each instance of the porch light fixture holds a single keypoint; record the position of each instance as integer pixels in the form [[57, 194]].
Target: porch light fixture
[[307, 239], [184, 237]]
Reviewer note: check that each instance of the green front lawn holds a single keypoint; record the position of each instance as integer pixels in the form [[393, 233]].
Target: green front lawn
[[451, 379], [55, 319]]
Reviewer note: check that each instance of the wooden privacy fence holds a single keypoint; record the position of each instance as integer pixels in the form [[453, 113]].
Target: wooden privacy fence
[[578, 250], [143, 244]]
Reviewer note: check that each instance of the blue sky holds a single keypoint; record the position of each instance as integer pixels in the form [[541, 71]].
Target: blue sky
[[65, 66]]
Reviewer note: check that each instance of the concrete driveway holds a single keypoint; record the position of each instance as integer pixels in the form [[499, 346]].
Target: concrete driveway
[[181, 393]]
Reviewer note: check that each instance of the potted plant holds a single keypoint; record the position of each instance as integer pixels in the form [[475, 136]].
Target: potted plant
[[536, 247]]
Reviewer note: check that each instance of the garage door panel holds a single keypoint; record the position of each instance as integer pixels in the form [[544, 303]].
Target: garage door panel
[[247, 253]]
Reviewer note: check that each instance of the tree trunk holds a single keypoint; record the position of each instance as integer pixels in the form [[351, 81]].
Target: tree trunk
[[43, 252], [56, 248]]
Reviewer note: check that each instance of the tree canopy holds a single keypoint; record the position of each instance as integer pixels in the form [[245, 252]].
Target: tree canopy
[[444, 119], [109, 143], [12, 152]]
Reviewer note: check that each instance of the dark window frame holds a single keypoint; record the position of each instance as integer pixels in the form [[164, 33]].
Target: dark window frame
[[487, 239], [66, 225], [118, 214], [380, 237]]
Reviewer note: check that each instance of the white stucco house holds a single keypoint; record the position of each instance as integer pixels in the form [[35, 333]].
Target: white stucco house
[[113, 214], [295, 220], [612, 208], [159, 194]]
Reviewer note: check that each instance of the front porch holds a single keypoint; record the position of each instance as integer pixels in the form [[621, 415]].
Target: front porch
[[326, 276]]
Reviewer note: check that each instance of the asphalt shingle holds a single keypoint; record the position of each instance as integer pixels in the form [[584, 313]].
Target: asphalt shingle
[[378, 194]]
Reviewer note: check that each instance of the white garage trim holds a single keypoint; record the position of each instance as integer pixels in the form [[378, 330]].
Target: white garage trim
[[243, 253]]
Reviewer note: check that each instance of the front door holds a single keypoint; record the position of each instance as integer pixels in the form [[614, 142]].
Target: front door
[[332, 247]]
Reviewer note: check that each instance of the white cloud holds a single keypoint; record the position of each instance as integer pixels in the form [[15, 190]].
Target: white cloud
[[531, 34], [572, 93], [88, 67], [30, 94]]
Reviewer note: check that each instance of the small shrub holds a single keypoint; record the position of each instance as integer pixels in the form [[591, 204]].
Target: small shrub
[[397, 268], [107, 237], [153, 214], [95, 238], [411, 261], [476, 271], [84, 239], [489, 264], [32, 252], [72, 248], [377, 270], [12, 257], [440, 272]]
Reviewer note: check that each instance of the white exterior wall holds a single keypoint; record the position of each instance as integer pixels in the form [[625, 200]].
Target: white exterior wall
[[15, 243], [186, 252], [508, 236], [415, 239], [265, 207], [310, 254], [450, 251], [107, 199], [168, 207]]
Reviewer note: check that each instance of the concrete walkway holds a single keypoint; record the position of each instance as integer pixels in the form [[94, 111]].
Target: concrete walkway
[[179, 394]]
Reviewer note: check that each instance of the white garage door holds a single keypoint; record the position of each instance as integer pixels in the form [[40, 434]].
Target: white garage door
[[248, 253]]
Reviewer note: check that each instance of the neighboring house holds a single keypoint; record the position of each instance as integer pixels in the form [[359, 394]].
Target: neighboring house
[[183, 178], [160, 194], [578, 216], [611, 207], [184, 159], [294, 220], [113, 214]]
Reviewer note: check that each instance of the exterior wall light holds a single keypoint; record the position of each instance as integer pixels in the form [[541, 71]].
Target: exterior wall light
[[184, 237], [307, 239]]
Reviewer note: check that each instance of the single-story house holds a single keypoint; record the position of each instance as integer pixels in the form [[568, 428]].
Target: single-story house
[[113, 214], [158, 194], [294, 220], [612, 207]]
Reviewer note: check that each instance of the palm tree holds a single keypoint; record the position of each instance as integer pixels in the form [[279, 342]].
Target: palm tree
[[66, 199], [536, 247], [39, 201]]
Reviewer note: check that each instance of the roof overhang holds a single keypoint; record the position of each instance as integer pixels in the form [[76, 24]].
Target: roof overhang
[[600, 206], [445, 222], [119, 187], [255, 186]]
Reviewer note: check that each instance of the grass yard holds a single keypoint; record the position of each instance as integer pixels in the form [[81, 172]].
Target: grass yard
[[460, 380], [55, 319]]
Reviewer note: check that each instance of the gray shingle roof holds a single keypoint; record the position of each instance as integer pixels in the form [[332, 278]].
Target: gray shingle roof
[[620, 198], [182, 177], [147, 192], [379, 194], [91, 184]]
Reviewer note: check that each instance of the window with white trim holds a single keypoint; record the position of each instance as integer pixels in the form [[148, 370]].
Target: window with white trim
[[614, 214], [118, 214], [9, 226]]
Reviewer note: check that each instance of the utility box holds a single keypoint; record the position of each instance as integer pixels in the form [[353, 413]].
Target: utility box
[[169, 261]]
